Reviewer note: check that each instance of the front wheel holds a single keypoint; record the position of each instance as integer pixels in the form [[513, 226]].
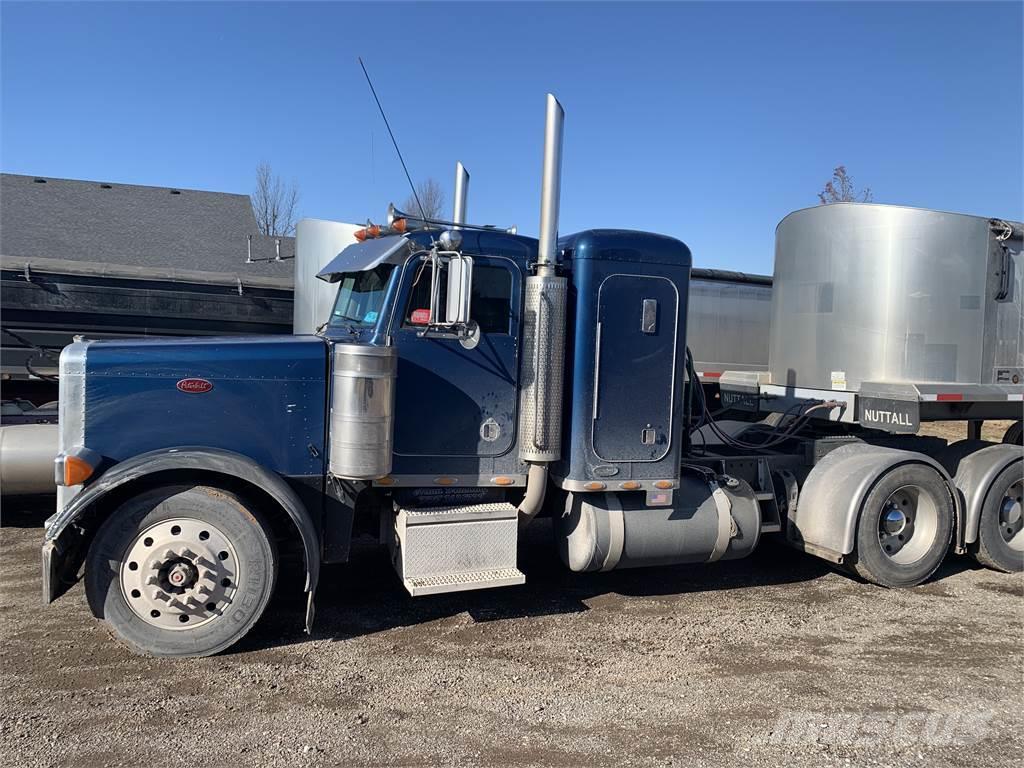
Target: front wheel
[[905, 527], [181, 570]]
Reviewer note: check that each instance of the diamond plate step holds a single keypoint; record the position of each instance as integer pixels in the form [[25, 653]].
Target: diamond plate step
[[464, 514], [460, 582]]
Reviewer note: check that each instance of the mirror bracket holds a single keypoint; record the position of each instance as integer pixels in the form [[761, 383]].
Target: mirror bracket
[[459, 291]]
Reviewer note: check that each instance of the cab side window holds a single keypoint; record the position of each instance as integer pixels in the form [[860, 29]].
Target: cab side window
[[490, 305]]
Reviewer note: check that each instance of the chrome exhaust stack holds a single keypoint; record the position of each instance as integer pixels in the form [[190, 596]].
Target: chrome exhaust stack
[[550, 188], [461, 191], [540, 406]]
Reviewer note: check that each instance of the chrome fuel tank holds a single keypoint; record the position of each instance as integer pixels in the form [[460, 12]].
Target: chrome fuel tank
[[362, 411], [879, 293]]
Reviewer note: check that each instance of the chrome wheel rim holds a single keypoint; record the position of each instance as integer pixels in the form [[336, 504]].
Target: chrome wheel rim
[[907, 524], [1011, 517], [179, 574]]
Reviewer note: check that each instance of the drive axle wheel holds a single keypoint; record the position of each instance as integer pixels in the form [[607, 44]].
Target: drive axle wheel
[[904, 528], [181, 571], [1000, 544]]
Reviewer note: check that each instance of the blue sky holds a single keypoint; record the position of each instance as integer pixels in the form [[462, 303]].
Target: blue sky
[[708, 122]]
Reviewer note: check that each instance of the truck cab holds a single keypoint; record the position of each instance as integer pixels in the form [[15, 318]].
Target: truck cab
[[467, 380]]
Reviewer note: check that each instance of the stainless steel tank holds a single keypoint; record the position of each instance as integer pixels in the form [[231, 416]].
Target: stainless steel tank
[[27, 452], [880, 293], [316, 243], [727, 321], [362, 411]]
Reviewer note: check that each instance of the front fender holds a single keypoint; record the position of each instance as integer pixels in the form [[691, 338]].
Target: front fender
[[64, 527]]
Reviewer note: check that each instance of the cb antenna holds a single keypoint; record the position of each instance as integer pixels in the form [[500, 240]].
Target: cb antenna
[[387, 125]]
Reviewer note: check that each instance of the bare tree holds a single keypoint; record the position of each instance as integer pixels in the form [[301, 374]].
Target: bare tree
[[431, 196], [274, 202], [840, 189]]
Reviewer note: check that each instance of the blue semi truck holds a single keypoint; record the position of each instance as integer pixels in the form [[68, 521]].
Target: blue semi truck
[[468, 380]]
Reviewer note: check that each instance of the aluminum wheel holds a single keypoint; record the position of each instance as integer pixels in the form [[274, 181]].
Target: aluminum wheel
[[907, 525], [1011, 516], [179, 574]]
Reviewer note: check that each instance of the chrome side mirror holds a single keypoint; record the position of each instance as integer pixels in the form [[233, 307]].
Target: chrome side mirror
[[456, 270], [460, 289]]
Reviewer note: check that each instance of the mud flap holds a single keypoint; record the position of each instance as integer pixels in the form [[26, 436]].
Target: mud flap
[[310, 610]]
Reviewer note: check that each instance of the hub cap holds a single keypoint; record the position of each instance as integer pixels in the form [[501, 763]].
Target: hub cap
[[1011, 516], [907, 524], [179, 574]]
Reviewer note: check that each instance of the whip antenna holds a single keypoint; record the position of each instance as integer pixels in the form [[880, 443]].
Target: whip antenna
[[387, 125]]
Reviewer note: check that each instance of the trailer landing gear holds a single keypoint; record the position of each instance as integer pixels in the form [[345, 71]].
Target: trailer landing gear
[[181, 570]]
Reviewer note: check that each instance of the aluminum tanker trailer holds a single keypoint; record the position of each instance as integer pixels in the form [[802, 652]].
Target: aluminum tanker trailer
[[902, 316], [470, 379]]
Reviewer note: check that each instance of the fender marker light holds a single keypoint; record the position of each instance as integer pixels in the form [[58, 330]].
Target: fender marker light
[[75, 467]]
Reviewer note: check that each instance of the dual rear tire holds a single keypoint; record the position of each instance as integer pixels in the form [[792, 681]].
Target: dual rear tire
[[905, 527], [1000, 543]]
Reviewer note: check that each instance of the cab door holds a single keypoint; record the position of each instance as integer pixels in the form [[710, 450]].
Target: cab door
[[454, 399]]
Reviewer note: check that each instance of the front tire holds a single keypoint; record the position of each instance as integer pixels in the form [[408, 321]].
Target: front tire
[[905, 527], [1000, 544], [181, 570]]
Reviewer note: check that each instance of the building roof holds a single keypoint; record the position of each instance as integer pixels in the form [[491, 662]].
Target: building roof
[[129, 230]]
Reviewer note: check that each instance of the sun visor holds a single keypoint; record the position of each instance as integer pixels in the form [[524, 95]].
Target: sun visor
[[360, 257]]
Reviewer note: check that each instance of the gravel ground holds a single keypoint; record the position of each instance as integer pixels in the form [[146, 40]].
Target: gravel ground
[[773, 660]]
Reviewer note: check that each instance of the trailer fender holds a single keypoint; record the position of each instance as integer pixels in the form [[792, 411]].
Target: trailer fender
[[824, 519], [69, 531], [975, 465]]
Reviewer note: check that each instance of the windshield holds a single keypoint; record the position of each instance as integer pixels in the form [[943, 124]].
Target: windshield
[[360, 296]]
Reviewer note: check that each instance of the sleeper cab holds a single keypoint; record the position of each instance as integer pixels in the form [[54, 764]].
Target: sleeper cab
[[626, 355]]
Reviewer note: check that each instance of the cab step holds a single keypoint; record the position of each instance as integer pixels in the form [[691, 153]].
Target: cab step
[[459, 582], [452, 549]]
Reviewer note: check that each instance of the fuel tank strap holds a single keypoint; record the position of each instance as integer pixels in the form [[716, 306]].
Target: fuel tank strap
[[616, 533], [726, 522]]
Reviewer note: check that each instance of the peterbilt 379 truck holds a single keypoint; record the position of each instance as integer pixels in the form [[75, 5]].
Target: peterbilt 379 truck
[[471, 378]]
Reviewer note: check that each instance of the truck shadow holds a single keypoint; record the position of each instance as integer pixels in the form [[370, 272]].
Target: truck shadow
[[364, 596]]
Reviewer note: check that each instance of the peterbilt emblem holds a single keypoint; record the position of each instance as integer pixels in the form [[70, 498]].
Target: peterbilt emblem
[[194, 386]]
